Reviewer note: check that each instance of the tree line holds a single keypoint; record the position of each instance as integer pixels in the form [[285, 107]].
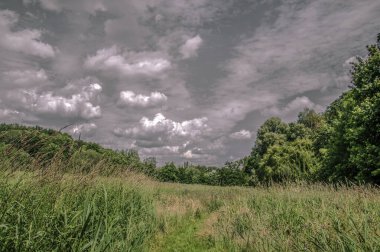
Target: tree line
[[341, 144]]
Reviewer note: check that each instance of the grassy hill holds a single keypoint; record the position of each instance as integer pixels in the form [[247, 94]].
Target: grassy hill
[[35, 148]]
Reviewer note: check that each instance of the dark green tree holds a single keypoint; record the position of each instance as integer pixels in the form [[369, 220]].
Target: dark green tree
[[168, 173], [353, 146], [232, 174]]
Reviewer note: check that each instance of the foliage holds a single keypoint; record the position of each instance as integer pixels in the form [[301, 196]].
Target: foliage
[[27, 148], [168, 173], [288, 162], [341, 144], [353, 146], [286, 152]]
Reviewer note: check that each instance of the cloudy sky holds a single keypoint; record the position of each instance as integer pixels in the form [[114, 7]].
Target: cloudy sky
[[176, 79]]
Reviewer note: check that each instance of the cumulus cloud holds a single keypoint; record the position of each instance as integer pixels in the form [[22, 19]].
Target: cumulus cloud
[[240, 135], [130, 99], [77, 106], [25, 41], [160, 130], [85, 129], [127, 64], [191, 46]]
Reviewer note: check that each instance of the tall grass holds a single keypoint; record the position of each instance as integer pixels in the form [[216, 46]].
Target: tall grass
[[58, 202], [53, 212], [299, 218], [295, 217], [38, 214]]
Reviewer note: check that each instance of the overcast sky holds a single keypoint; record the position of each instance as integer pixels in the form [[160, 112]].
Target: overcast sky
[[182, 80]]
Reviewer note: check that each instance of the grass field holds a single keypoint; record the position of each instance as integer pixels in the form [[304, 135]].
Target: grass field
[[53, 212]]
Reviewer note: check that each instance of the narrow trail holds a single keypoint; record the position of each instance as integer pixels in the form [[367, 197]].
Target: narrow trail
[[185, 237]]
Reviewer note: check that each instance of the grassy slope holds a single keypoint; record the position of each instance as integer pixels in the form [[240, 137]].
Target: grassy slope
[[137, 214]]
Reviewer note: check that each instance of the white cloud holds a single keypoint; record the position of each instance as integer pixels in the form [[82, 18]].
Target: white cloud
[[77, 106], [240, 135], [85, 129], [188, 154], [130, 99], [191, 46], [161, 131], [25, 41], [195, 154], [112, 60]]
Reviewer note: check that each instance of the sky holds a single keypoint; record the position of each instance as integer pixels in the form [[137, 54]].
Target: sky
[[179, 80]]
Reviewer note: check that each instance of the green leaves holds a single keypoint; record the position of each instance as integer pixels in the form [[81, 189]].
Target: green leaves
[[287, 152], [353, 148], [342, 144]]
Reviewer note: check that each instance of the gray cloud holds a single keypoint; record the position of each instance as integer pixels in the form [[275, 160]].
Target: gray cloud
[[24, 78], [25, 41], [180, 80], [284, 58], [290, 110]]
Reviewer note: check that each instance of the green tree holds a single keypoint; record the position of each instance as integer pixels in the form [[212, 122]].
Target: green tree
[[353, 147], [272, 132], [288, 162], [168, 173], [310, 119], [149, 166], [232, 174]]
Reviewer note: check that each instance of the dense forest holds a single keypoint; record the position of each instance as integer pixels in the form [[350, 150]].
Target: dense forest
[[341, 144]]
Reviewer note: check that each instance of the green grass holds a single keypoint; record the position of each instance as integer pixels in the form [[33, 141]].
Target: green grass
[[72, 215], [53, 212]]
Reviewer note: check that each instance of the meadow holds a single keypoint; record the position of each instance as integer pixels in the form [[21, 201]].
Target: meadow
[[52, 211]]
